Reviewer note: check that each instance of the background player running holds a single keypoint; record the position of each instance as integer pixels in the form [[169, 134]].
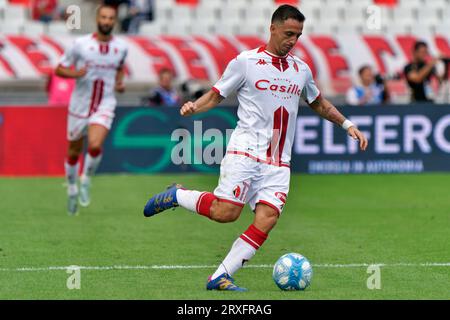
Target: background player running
[[269, 82], [97, 62]]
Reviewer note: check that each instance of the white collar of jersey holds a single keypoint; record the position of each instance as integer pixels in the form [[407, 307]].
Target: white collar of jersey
[[263, 48], [274, 55]]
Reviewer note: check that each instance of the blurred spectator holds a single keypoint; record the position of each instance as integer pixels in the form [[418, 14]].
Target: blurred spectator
[[193, 89], [44, 10], [188, 2], [138, 11], [164, 94], [371, 89], [391, 3], [20, 2], [419, 72]]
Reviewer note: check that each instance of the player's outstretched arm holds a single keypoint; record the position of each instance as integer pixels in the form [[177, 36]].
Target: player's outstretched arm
[[328, 111], [70, 73], [207, 101]]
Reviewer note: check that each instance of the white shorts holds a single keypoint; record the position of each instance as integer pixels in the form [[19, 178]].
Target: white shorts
[[77, 126], [243, 180]]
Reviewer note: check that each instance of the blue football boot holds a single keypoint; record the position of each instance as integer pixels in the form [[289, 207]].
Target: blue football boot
[[224, 282], [162, 201]]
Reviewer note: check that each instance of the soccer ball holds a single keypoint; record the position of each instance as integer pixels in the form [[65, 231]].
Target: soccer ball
[[292, 272]]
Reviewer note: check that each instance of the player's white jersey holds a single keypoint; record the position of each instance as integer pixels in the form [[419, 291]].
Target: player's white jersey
[[269, 89], [95, 91]]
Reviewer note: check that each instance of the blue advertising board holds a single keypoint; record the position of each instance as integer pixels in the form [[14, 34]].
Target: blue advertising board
[[402, 139]]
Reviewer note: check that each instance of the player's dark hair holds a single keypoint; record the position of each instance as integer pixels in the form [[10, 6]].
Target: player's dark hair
[[285, 12], [165, 70], [419, 44], [102, 6], [362, 69]]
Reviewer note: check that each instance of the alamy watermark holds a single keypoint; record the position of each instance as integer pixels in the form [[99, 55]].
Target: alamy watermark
[[73, 21], [374, 280], [190, 148], [208, 147], [373, 21], [74, 279]]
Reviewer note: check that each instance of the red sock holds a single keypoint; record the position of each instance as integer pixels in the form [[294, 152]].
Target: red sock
[[72, 160], [254, 236], [204, 203], [94, 152]]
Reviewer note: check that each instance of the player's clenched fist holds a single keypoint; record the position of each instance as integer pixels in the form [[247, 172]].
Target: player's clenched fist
[[188, 108]]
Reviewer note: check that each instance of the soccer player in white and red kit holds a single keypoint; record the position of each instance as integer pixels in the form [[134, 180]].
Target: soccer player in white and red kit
[[96, 61], [269, 82]]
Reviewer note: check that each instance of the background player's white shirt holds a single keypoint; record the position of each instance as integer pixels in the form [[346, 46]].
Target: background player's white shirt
[[269, 89], [95, 91]]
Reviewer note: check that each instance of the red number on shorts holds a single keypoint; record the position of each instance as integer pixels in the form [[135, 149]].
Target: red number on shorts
[[280, 124]]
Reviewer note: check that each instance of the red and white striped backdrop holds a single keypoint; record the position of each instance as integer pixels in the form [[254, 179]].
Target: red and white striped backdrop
[[334, 60]]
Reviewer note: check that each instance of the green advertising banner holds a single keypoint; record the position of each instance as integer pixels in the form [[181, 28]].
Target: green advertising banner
[[402, 139]]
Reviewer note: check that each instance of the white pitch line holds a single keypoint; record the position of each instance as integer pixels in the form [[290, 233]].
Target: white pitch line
[[180, 267]]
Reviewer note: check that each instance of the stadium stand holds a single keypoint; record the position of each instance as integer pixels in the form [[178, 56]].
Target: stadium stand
[[16, 18], [237, 18], [247, 16]]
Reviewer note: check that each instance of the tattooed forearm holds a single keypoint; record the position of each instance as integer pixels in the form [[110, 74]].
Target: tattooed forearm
[[326, 110], [330, 113]]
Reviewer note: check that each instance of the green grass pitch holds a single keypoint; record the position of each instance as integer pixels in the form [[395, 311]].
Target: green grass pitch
[[402, 221]]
